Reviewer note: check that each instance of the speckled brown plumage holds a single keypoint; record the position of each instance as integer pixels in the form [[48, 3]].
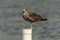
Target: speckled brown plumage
[[31, 16]]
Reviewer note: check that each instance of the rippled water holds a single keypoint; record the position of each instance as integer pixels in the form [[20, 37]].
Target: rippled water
[[12, 23]]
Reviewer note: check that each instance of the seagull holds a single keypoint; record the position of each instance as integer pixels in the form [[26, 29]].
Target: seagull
[[32, 17]]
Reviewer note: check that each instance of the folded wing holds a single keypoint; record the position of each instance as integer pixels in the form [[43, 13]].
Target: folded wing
[[34, 17]]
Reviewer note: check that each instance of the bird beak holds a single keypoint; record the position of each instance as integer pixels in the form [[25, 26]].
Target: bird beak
[[22, 11]]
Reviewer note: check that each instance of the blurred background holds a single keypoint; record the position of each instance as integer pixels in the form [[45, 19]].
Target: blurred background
[[12, 23]]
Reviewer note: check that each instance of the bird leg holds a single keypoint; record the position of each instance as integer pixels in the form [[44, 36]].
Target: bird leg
[[31, 25]]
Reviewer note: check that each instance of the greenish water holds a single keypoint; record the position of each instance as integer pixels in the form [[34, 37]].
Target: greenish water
[[12, 23]]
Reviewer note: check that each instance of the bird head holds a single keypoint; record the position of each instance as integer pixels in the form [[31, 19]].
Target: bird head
[[24, 10]]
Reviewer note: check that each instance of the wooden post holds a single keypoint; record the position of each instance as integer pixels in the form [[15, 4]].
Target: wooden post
[[27, 34]]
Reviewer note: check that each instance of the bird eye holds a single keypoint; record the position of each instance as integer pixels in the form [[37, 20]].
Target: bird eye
[[22, 11]]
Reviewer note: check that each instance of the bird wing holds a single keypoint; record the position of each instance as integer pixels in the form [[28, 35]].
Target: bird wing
[[34, 17]]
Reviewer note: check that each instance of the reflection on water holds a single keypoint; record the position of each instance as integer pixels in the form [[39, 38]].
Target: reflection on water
[[12, 23]]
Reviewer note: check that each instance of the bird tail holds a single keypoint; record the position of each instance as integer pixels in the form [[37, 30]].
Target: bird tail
[[45, 19]]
